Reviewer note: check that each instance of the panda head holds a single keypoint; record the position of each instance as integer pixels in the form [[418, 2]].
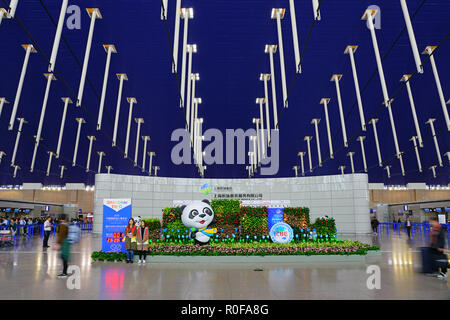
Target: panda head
[[197, 214]]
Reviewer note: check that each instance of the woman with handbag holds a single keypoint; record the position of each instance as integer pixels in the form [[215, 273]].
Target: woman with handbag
[[130, 240], [142, 238]]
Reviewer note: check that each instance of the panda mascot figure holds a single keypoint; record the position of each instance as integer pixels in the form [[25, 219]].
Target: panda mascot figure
[[197, 216]]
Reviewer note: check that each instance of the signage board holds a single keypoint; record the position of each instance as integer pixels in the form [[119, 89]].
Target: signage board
[[116, 213], [275, 215], [281, 233]]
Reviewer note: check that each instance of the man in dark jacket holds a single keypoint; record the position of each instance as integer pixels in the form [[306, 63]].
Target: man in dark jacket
[[437, 247]]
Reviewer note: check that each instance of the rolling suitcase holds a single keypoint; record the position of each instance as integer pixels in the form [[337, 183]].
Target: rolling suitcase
[[427, 261]]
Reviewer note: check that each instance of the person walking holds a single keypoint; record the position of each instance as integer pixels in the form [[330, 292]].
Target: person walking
[[142, 238], [47, 230], [64, 246], [437, 248], [130, 240], [408, 227]]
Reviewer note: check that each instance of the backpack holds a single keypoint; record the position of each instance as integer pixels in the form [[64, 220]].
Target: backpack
[[74, 235]]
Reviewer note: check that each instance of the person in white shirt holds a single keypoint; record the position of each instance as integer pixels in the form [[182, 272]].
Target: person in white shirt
[[47, 231], [408, 227]]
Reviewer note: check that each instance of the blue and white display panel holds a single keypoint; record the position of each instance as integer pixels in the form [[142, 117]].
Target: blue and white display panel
[[116, 213], [275, 215]]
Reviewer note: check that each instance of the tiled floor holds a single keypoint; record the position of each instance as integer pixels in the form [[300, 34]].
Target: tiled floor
[[29, 272]]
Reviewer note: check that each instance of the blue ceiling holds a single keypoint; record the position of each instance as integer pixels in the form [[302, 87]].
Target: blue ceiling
[[231, 35]]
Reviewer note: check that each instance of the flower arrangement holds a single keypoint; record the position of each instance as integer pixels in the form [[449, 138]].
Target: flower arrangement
[[171, 215]]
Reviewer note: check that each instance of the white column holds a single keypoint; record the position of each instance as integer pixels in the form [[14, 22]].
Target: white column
[[139, 122], [265, 78], [351, 154], [271, 49], [121, 77], [336, 78], [151, 154], [260, 101], [109, 48], [433, 168], [49, 165], [191, 48], [50, 77], [301, 155], [93, 13], [75, 151], [62, 15], [342, 168], [186, 14], [2, 103], [388, 169], [279, 14], [416, 149], [316, 9], [131, 101], [176, 37], [363, 152], [101, 154], [350, 50], [296, 171], [144, 155], [412, 38], [91, 142], [406, 78], [66, 100], [325, 102], [61, 172], [29, 49], [308, 142], [429, 50], [316, 127], [298, 66], [436, 144], [368, 15], [16, 145], [109, 168], [375, 133]]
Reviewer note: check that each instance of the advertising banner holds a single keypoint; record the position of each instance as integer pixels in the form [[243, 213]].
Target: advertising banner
[[275, 216], [116, 213]]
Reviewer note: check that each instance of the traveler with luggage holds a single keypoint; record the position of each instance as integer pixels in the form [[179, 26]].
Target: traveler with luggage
[[437, 249]]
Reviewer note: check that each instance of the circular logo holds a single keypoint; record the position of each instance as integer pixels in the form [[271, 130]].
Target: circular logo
[[281, 233], [116, 247], [206, 188]]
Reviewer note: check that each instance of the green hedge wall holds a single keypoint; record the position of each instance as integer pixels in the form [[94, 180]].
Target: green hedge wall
[[226, 211]]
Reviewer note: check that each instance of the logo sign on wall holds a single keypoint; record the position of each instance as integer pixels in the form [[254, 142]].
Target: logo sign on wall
[[281, 233], [275, 215], [116, 213], [206, 189]]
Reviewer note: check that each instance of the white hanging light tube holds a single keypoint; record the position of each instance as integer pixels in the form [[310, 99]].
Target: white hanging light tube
[[139, 122], [110, 49], [191, 48], [298, 67], [316, 9], [50, 77], [156, 170], [412, 37], [2, 154], [436, 144], [176, 39], [350, 50], [316, 127], [429, 50], [12, 8], [433, 168], [336, 78], [260, 101], [144, 155], [29, 49], [50, 157], [265, 78], [121, 77], [62, 15], [101, 154], [377, 144], [151, 154], [271, 49], [75, 151], [15, 171], [342, 168], [363, 152], [16, 145], [91, 142], [406, 78], [131, 101], [351, 154], [256, 122], [388, 169], [2, 103], [416, 149], [186, 14], [278, 14], [308, 142], [66, 100], [195, 77], [109, 168], [295, 168], [61, 172], [94, 13], [301, 155], [325, 102]]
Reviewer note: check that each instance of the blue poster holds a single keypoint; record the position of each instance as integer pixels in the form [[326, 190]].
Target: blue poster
[[275, 216], [116, 213]]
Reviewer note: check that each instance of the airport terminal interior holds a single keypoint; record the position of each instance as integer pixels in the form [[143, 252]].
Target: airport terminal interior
[[231, 150]]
